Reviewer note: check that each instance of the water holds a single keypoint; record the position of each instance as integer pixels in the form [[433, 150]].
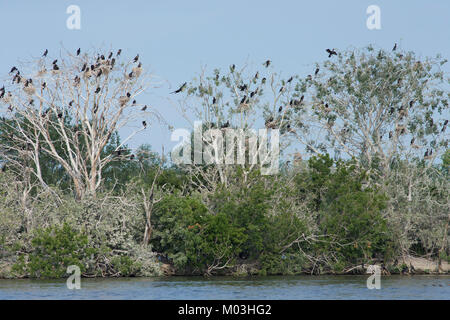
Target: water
[[276, 287]]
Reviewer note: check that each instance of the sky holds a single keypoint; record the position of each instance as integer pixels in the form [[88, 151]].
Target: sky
[[175, 39]]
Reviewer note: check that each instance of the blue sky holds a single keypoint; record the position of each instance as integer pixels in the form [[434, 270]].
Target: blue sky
[[176, 38]]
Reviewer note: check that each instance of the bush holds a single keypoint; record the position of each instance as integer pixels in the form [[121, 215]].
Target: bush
[[350, 214], [191, 237], [54, 249]]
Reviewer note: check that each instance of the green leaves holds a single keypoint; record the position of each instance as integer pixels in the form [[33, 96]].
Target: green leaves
[[53, 250]]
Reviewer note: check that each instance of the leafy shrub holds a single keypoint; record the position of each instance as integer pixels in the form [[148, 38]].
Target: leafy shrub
[[54, 249]]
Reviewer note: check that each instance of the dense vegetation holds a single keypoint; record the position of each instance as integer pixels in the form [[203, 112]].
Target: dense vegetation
[[365, 194]]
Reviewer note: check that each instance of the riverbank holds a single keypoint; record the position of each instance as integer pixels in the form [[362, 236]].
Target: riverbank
[[407, 266]]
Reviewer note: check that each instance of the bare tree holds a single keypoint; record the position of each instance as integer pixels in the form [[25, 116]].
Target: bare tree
[[68, 109], [233, 104]]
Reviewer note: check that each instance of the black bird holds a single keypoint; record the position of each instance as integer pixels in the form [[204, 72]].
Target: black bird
[[134, 102], [45, 53], [331, 52], [71, 103], [301, 98], [55, 61], [244, 100], [144, 108], [92, 67], [232, 67], [97, 90], [426, 153], [180, 88], [395, 47], [55, 67], [267, 63], [78, 51], [100, 72], [136, 58], [280, 109], [281, 89], [144, 124], [130, 75], [110, 55], [316, 72], [226, 125], [214, 100], [290, 79], [263, 80], [411, 103], [132, 157], [391, 111], [256, 75], [102, 57], [113, 62], [60, 115], [84, 67], [243, 87], [13, 69], [119, 52], [95, 108], [412, 141]]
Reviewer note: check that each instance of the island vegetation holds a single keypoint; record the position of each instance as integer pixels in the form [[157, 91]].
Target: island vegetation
[[363, 175]]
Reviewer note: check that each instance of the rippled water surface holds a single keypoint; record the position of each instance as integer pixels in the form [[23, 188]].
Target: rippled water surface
[[296, 287]]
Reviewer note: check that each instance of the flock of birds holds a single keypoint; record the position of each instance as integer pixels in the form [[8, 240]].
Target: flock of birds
[[104, 65], [271, 123]]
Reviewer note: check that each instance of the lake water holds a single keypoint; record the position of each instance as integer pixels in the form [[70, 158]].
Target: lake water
[[276, 287]]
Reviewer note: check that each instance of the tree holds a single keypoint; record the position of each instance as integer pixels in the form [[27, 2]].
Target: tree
[[378, 107], [236, 101], [70, 112]]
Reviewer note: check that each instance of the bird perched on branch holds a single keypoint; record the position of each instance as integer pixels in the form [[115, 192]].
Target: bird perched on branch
[[395, 47], [123, 100], [267, 63], [45, 53], [137, 71], [144, 123], [136, 58], [243, 87], [78, 51]]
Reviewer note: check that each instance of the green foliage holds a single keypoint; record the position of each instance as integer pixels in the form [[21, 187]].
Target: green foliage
[[191, 237], [53, 250]]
